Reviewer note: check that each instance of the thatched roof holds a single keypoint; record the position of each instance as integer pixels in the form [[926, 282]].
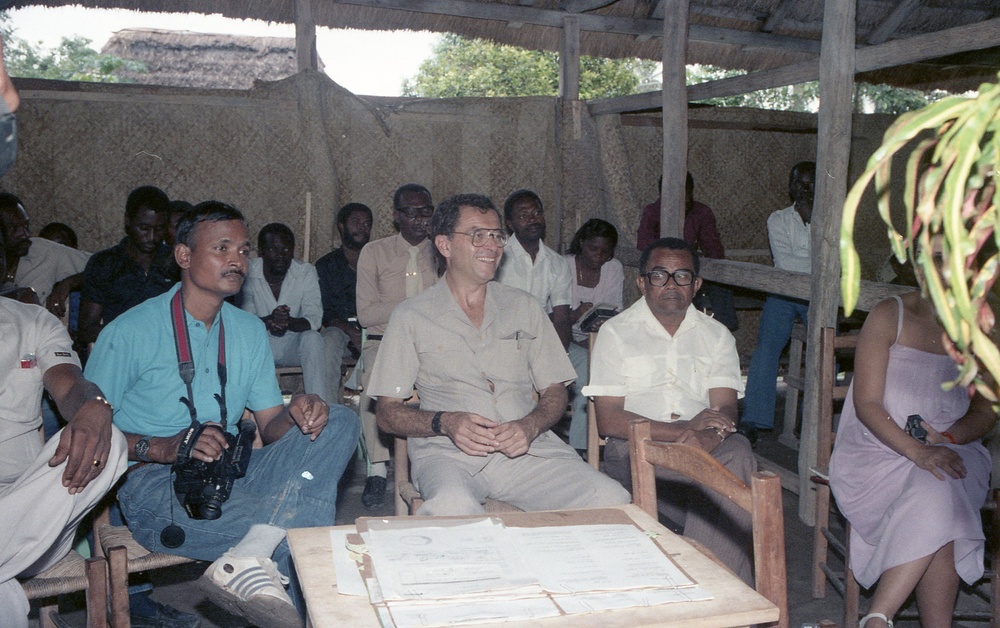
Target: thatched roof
[[186, 59], [749, 34]]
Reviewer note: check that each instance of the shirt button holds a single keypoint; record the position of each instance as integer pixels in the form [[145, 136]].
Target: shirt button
[[206, 369]]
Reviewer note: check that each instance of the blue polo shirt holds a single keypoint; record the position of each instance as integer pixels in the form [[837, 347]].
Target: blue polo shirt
[[135, 363]]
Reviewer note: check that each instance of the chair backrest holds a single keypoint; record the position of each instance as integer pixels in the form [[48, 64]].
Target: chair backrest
[[594, 440], [829, 390], [762, 500]]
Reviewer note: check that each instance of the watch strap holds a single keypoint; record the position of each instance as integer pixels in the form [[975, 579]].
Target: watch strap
[[436, 422]]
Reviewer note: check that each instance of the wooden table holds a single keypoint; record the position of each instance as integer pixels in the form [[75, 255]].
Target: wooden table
[[734, 603]]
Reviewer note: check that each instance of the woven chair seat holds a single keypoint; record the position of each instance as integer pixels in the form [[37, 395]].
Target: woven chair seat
[[139, 558], [66, 576]]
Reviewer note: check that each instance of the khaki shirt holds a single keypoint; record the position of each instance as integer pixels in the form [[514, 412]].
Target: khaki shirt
[[493, 371], [382, 278]]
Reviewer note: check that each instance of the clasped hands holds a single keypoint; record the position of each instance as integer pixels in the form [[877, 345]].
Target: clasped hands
[[278, 320], [476, 435], [707, 429]]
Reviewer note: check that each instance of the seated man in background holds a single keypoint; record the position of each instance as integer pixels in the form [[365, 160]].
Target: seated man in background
[[52, 270], [284, 293], [477, 352], [46, 491], [663, 360], [338, 279], [135, 269], [291, 482]]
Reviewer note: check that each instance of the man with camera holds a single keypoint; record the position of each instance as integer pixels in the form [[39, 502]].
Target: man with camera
[[180, 369]]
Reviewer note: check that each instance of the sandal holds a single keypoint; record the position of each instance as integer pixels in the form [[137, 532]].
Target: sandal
[[865, 619]]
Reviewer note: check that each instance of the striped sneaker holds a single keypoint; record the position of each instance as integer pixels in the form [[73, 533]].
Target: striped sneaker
[[253, 588]]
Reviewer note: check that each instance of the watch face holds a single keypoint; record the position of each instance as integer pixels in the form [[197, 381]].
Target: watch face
[[141, 449]]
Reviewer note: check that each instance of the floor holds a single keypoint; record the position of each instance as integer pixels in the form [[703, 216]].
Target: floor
[[176, 586]]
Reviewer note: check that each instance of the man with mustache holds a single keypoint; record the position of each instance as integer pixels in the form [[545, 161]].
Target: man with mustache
[[135, 269], [477, 352], [338, 279], [159, 403], [390, 270], [284, 293]]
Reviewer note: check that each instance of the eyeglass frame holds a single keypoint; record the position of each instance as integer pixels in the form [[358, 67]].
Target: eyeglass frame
[[425, 211], [499, 236], [670, 275]]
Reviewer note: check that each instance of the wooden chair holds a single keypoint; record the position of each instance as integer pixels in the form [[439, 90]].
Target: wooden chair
[[825, 540], [71, 574], [762, 500], [288, 371]]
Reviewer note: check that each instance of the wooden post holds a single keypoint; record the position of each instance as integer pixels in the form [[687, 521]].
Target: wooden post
[[307, 229], [569, 59], [305, 36], [675, 111], [836, 80]]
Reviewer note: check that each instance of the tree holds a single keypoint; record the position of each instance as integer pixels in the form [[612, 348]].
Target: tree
[[72, 60], [805, 96], [476, 67]]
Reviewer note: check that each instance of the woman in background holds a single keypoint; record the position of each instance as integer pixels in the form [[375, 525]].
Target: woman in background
[[913, 506], [598, 280]]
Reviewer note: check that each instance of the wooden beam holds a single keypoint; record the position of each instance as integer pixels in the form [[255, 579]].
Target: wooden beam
[[569, 59], [588, 22], [675, 111], [656, 12], [890, 54], [892, 22], [305, 36], [581, 6], [787, 283], [836, 81], [776, 16]]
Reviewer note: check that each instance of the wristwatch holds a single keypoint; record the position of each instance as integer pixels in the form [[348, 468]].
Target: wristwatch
[[436, 422], [142, 448]]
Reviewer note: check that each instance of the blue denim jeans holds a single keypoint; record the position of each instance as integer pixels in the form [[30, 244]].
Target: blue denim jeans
[[291, 483], [776, 321]]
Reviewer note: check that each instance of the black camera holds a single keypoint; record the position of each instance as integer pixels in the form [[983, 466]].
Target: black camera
[[202, 487]]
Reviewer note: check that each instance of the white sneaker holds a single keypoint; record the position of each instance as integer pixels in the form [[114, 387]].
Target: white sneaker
[[253, 588]]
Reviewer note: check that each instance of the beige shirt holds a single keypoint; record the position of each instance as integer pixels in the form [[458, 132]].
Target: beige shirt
[[46, 264], [33, 342], [382, 278], [493, 371], [658, 374]]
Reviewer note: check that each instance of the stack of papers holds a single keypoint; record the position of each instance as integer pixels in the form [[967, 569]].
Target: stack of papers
[[480, 571]]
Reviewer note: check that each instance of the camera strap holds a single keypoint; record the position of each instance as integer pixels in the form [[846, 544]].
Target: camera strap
[[185, 360]]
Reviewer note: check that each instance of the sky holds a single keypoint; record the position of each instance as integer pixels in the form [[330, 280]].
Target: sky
[[372, 63]]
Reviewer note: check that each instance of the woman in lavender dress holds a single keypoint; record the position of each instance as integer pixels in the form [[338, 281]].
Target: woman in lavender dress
[[913, 507]]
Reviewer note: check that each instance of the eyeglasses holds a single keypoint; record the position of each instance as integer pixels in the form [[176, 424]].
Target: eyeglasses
[[481, 236], [412, 212], [659, 278]]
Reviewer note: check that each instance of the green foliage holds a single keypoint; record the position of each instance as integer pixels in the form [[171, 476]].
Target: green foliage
[[952, 148], [476, 67], [805, 96], [72, 60]]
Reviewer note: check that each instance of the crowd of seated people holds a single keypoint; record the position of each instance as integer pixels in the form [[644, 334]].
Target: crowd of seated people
[[467, 305]]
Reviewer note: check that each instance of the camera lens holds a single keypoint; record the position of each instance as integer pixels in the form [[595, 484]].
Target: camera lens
[[211, 509]]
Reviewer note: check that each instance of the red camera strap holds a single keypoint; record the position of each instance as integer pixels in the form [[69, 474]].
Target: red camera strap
[[185, 360]]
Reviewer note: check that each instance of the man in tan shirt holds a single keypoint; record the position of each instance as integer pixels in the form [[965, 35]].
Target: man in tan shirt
[[477, 352], [390, 270]]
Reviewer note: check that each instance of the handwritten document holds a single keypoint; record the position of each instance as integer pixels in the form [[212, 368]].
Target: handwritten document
[[466, 572]]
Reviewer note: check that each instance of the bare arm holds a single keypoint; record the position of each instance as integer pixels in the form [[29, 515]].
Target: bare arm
[[473, 434], [90, 321], [57, 299], [514, 438], [706, 430], [87, 437], [307, 412], [560, 320]]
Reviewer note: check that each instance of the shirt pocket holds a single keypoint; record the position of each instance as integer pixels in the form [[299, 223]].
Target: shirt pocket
[[640, 372], [507, 358], [21, 396]]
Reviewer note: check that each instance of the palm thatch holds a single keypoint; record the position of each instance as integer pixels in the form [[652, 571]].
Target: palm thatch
[[185, 59], [747, 34]]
